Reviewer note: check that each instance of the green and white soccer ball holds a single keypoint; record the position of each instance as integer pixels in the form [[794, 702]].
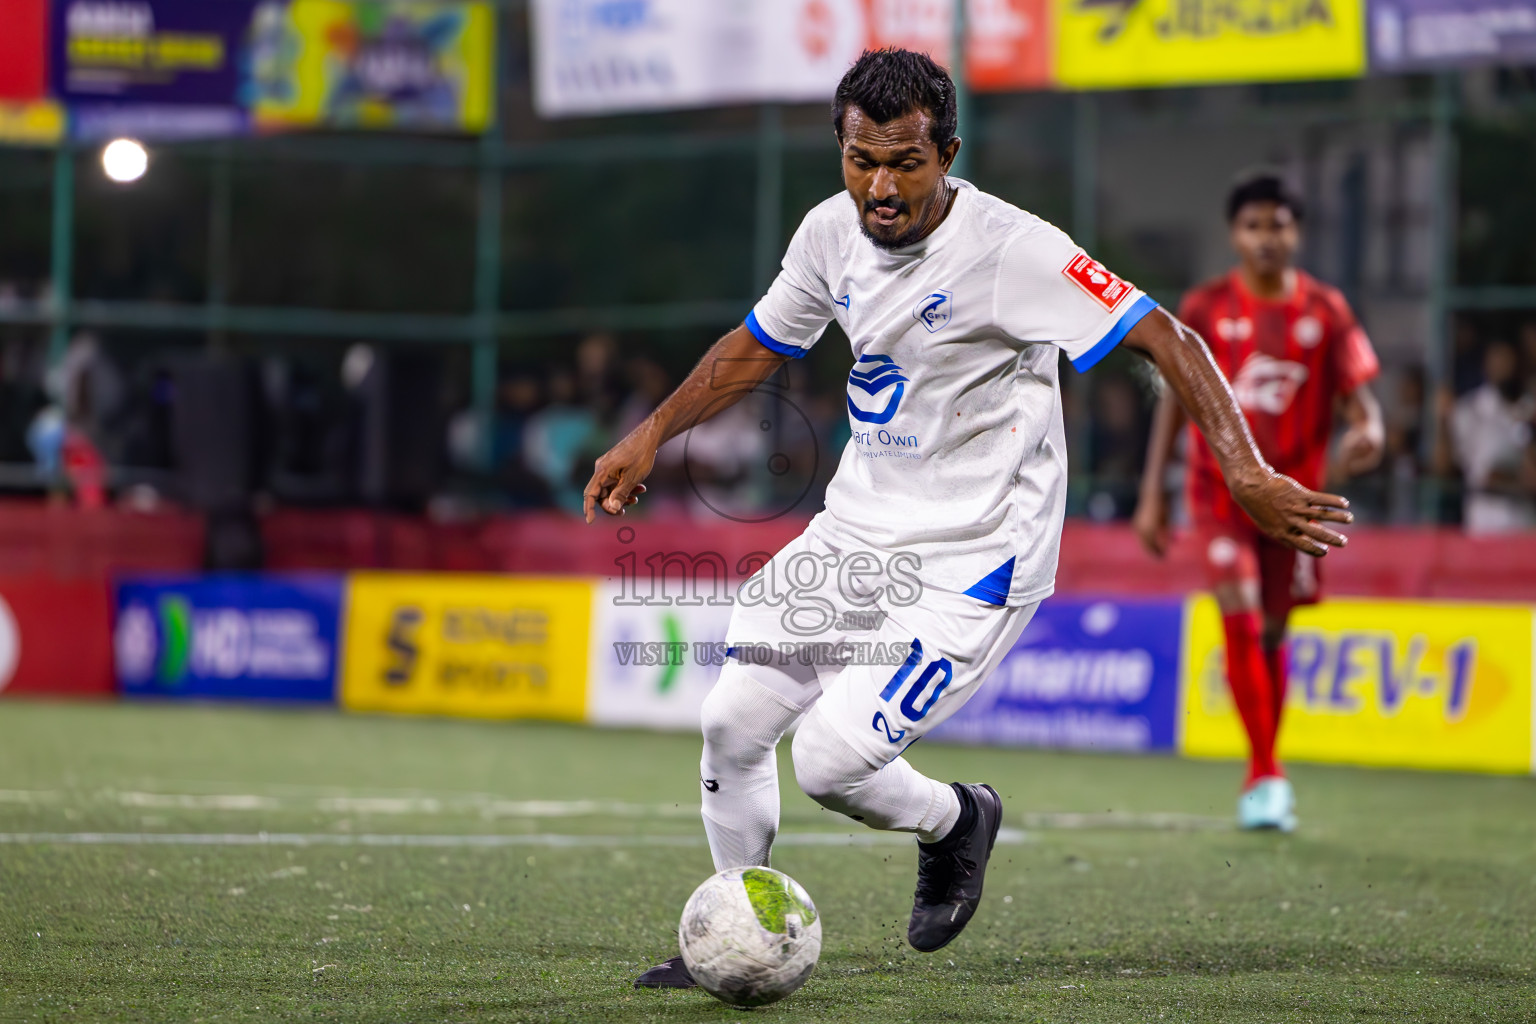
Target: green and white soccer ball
[[750, 936]]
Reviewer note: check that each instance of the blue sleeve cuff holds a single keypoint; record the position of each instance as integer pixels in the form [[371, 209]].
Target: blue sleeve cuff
[[769, 342], [1140, 308]]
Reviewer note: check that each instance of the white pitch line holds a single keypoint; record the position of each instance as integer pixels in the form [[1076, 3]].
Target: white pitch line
[[1005, 836]]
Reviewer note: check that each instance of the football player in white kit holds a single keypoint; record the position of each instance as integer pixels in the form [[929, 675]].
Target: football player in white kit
[[943, 521]]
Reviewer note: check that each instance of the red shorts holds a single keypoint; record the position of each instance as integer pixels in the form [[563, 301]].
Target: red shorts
[[1236, 552]]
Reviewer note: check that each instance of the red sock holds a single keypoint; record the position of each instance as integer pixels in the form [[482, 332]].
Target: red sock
[[1248, 677], [1279, 677]]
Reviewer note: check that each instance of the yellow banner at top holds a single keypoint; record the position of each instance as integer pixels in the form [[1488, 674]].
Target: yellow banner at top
[[1106, 44]]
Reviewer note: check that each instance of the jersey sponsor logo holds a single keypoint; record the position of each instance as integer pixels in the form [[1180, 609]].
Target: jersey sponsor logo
[[933, 311], [1240, 329], [875, 376], [1308, 332], [1268, 385], [1091, 276]]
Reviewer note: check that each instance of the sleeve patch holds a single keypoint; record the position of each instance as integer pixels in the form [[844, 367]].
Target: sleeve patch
[[1090, 275]]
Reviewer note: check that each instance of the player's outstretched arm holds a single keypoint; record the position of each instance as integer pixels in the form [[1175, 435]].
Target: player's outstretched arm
[[1365, 438], [1278, 505], [735, 365]]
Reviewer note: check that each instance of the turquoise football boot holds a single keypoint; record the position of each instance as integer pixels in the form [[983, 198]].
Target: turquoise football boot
[[1269, 803]]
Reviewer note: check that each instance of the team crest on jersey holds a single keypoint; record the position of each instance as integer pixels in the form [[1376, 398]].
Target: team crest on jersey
[[1268, 385], [934, 309], [1091, 276], [1308, 332], [879, 384]]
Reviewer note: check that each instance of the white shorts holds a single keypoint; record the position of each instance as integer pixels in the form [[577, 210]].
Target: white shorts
[[887, 659]]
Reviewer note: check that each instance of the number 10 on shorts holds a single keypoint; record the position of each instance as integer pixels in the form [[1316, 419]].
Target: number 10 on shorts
[[910, 710]]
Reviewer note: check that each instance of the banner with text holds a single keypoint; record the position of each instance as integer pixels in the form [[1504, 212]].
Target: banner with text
[[148, 51], [1371, 682], [464, 644], [1417, 35], [1089, 674], [653, 664], [236, 637], [594, 56], [1131, 43], [374, 64]]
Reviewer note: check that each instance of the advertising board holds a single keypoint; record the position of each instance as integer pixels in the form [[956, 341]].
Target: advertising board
[[1113, 44], [1383, 683], [240, 637], [1096, 674], [652, 664], [55, 637], [395, 64], [466, 644]]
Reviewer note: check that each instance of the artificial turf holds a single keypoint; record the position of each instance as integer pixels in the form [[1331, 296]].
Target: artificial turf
[[1125, 895]]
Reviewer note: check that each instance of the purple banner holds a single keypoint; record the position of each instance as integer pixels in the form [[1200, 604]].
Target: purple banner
[[1409, 35], [148, 51], [1096, 674]]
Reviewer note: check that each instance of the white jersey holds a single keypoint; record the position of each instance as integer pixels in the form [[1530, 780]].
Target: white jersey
[[958, 453]]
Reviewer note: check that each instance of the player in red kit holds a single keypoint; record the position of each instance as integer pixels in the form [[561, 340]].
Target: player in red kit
[[1294, 354]]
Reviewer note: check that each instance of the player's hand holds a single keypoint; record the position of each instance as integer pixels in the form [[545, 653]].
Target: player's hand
[[616, 479], [1150, 521], [1361, 447], [1293, 515]]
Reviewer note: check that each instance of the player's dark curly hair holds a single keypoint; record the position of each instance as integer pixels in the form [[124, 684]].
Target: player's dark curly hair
[[886, 84], [1263, 186]]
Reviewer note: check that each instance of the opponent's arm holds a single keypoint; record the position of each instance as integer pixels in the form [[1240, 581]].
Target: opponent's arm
[[1151, 517], [734, 366], [1364, 438], [1278, 505]]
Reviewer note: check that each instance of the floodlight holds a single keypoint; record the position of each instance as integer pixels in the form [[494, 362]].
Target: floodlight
[[124, 160]]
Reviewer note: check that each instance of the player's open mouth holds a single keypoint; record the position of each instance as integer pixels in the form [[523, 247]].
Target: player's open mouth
[[885, 216]]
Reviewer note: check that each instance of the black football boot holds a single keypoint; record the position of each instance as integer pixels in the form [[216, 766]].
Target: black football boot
[[671, 973], [950, 871]]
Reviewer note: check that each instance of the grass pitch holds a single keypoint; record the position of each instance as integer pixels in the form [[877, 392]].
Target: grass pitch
[[176, 863]]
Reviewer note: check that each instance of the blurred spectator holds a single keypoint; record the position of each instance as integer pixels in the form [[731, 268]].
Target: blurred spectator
[[1491, 438], [598, 384], [724, 460], [649, 385], [555, 439], [517, 402]]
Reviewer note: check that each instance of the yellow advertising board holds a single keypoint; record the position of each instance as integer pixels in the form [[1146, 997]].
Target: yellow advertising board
[[35, 123], [1379, 683], [462, 644], [1107, 44]]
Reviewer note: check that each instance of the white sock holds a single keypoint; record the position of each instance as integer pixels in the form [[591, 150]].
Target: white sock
[[895, 797], [742, 721]]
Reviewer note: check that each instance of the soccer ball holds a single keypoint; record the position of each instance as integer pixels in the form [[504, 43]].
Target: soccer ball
[[750, 936]]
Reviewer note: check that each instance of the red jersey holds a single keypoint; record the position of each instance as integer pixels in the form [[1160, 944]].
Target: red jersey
[[1287, 361]]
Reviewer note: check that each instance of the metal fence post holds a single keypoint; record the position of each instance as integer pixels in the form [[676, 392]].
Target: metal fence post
[[962, 167]]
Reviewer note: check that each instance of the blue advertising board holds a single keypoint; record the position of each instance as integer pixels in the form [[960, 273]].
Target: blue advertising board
[[241, 637], [1423, 35], [1094, 674]]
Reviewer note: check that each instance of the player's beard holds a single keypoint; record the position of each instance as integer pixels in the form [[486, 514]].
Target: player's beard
[[913, 232]]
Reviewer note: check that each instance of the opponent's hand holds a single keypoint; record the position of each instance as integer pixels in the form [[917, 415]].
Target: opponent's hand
[[616, 479], [1151, 524], [1293, 515], [1361, 447]]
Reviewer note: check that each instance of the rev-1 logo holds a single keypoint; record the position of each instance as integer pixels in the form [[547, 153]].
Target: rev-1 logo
[[934, 309]]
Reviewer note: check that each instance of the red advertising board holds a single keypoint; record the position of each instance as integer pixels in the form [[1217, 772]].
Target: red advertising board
[[55, 637], [23, 49], [1008, 42]]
